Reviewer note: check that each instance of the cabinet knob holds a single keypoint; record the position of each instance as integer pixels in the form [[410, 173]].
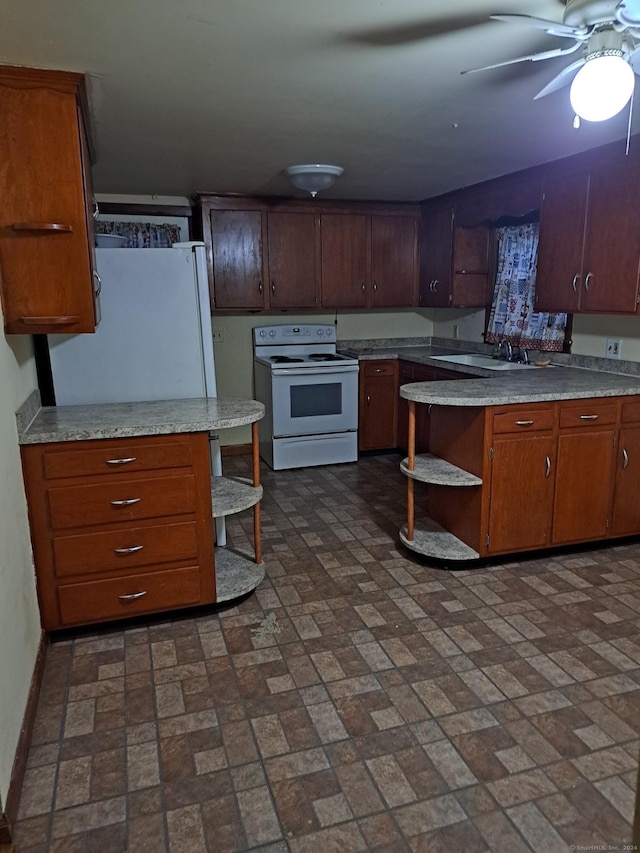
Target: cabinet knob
[[260, 288], [362, 286], [587, 281], [273, 286], [98, 289], [625, 458], [547, 464], [375, 286], [575, 282], [368, 400]]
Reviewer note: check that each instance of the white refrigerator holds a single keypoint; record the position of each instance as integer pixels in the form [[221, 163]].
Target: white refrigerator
[[154, 341]]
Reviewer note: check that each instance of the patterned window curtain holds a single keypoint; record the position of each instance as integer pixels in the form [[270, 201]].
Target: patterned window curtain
[[512, 316], [142, 235]]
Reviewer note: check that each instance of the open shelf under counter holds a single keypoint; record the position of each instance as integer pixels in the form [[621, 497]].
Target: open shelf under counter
[[233, 494], [438, 472], [432, 540], [236, 574]]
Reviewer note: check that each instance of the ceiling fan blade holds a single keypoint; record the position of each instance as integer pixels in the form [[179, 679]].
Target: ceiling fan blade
[[534, 57], [554, 28], [628, 13], [562, 79], [416, 31]]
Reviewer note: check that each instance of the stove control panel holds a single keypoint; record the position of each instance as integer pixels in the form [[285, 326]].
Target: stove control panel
[[291, 334]]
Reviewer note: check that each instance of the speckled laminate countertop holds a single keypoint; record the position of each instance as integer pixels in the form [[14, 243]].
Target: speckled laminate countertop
[[534, 386], [42, 425], [496, 388]]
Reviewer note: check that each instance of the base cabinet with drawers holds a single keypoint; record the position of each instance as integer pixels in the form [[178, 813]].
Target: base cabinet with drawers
[[124, 527], [504, 479]]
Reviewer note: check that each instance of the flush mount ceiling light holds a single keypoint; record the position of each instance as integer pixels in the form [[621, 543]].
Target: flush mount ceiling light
[[314, 177], [603, 86]]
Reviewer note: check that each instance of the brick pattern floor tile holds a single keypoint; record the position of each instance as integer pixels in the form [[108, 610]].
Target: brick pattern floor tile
[[359, 699]]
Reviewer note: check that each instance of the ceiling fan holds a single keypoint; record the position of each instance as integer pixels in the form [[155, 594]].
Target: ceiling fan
[[608, 33]]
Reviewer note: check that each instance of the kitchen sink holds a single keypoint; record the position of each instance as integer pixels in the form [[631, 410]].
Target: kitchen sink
[[484, 361]]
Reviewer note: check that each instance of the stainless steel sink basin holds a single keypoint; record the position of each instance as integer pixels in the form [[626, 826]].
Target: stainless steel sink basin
[[484, 361]]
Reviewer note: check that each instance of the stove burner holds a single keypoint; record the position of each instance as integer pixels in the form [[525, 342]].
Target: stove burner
[[284, 359], [324, 356]]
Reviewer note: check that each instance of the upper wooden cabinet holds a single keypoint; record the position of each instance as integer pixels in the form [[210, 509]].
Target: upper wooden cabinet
[[46, 224], [394, 261], [237, 259], [293, 260], [277, 254], [454, 261], [589, 249], [345, 261]]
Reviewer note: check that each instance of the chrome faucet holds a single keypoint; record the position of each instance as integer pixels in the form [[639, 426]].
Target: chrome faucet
[[506, 350]]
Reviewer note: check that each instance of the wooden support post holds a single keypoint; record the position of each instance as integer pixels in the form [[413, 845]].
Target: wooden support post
[[411, 461], [257, 537]]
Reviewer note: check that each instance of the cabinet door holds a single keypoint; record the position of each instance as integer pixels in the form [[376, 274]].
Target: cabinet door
[[344, 260], [626, 506], [521, 492], [436, 246], [293, 271], [612, 242], [236, 244], [559, 278], [583, 485], [378, 405], [45, 257], [405, 376], [470, 284], [394, 261]]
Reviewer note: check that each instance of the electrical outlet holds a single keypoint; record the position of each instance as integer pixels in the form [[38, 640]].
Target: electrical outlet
[[456, 331], [218, 336], [614, 345]]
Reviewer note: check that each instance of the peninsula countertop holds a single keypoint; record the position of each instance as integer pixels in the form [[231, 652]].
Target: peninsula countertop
[[496, 388], [43, 425]]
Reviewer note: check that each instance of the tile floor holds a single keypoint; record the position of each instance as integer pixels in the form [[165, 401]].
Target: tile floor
[[358, 700]]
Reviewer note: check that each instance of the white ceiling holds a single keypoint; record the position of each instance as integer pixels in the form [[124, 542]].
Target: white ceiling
[[222, 95]]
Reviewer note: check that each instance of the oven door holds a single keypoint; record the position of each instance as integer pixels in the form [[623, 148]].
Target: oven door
[[314, 400]]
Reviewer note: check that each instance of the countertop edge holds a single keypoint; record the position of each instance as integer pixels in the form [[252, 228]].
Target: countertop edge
[[53, 424]]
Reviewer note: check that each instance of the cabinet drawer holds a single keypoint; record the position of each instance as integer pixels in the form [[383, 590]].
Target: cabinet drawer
[[126, 500], [124, 550], [120, 458], [631, 411], [528, 419], [588, 414], [380, 368], [117, 598]]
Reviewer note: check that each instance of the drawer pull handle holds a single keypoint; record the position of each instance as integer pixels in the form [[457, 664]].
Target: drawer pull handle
[[49, 321], [378, 370], [133, 595], [524, 423], [588, 417], [547, 463], [130, 550], [42, 226], [123, 461], [625, 458], [125, 502], [368, 399]]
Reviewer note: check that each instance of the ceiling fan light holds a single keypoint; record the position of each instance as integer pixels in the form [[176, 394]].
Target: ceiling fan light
[[314, 177], [602, 87]]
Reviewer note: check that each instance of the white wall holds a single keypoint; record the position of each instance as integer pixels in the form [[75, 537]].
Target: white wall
[[19, 616], [234, 355]]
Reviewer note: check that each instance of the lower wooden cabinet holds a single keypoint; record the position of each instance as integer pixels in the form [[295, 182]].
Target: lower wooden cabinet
[[120, 527], [522, 477], [584, 477], [521, 505], [378, 405]]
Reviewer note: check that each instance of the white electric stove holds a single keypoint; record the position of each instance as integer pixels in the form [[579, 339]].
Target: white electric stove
[[310, 393]]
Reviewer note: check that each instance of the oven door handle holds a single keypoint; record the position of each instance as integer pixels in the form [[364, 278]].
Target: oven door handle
[[313, 371]]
